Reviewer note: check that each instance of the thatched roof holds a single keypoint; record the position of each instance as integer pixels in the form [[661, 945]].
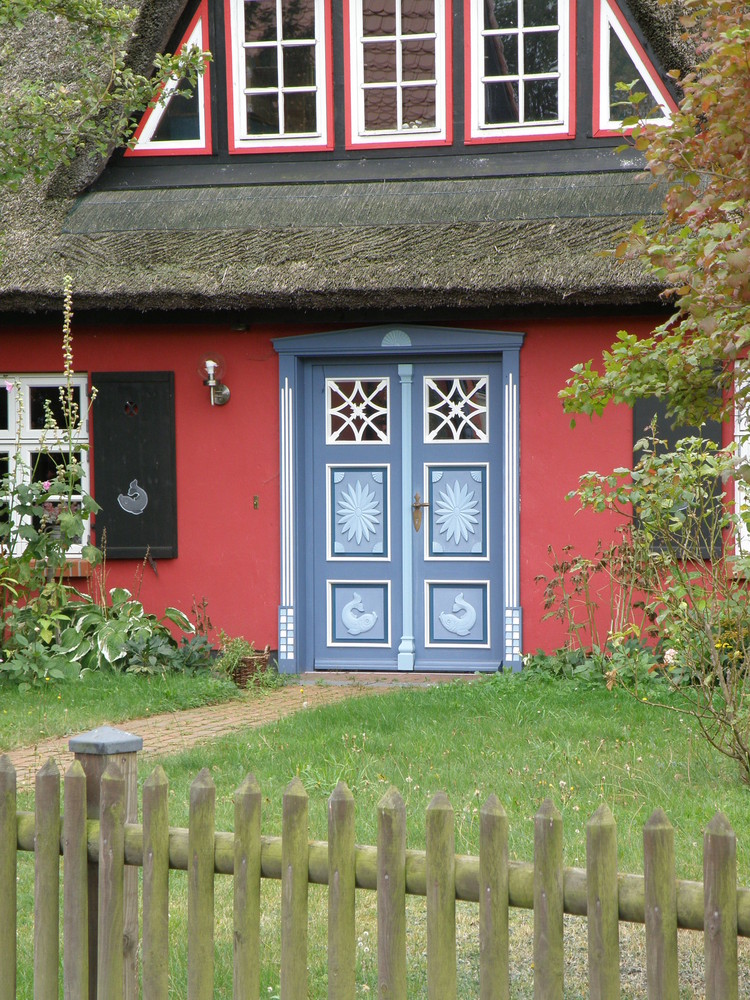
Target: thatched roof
[[482, 242]]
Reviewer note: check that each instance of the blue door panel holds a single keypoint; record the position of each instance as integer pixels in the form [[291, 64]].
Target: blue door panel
[[359, 613]]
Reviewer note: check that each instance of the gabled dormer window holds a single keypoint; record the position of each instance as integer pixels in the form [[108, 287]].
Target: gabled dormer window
[[520, 83], [180, 124], [619, 58], [278, 66], [397, 72]]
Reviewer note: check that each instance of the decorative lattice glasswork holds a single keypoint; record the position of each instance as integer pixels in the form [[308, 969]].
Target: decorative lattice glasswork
[[456, 409], [357, 411], [457, 497], [358, 512]]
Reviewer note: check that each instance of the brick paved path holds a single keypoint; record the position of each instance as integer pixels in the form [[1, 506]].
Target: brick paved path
[[173, 732]]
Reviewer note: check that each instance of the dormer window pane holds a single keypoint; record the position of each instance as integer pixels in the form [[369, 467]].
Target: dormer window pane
[[298, 19], [417, 17], [300, 112], [379, 17], [538, 13], [299, 66], [501, 103], [419, 60], [540, 98], [419, 107], [500, 13], [263, 114], [540, 52], [501, 55], [380, 62], [261, 68], [381, 113], [260, 21]]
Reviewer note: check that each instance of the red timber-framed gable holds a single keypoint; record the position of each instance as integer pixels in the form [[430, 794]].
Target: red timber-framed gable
[[612, 29], [147, 140], [373, 76]]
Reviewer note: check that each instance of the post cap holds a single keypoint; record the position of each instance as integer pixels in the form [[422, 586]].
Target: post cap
[[105, 740]]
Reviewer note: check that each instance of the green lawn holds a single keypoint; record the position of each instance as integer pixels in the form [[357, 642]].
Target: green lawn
[[525, 740], [522, 737], [100, 697]]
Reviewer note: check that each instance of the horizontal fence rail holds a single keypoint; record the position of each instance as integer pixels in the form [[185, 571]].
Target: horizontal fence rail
[[606, 897]]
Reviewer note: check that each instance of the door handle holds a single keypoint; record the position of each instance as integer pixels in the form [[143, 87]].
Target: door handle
[[416, 511]]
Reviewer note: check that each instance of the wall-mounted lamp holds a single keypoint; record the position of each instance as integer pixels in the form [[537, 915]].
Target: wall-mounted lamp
[[211, 370]]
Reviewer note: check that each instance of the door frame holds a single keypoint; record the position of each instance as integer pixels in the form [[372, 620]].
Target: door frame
[[388, 343]]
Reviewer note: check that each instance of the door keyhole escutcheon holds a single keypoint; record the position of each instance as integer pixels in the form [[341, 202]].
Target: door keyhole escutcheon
[[416, 511]]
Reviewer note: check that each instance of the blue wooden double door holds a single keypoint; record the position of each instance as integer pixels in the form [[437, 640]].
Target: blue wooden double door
[[404, 526]]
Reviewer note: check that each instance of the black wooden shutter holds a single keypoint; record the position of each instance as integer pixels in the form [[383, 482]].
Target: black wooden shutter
[[650, 408], [135, 476]]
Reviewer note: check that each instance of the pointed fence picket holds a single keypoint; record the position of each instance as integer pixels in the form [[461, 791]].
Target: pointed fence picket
[[717, 907]]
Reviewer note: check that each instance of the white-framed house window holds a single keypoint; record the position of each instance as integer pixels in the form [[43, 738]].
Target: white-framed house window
[[278, 64], [397, 72], [521, 70], [177, 124], [30, 449], [620, 58]]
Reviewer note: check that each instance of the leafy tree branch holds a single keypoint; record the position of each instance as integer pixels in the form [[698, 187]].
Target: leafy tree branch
[[700, 250], [87, 98]]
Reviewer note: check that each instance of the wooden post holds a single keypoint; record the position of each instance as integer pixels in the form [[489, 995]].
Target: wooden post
[[248, 803], [720, 909], [46, 882], [494, 977], [441, 899], [294, 881], [201, 865], [342, 943], [8, 869], [548, 903], [660, 888], [602, 906], [156, 886], [110, 959], [95, 750], [75, 887], [392, 896]]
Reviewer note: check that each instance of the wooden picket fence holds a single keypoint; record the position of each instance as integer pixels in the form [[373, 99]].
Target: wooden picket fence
[[103, 847]]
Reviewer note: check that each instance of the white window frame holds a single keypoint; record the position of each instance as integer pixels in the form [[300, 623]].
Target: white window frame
[[239, 139], [607, 18], [145, 144], [563, 127], [357, 136], [26, 440]]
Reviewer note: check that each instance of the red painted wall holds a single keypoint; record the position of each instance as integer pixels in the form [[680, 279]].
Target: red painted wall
[[554, 455], [228, 550]]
